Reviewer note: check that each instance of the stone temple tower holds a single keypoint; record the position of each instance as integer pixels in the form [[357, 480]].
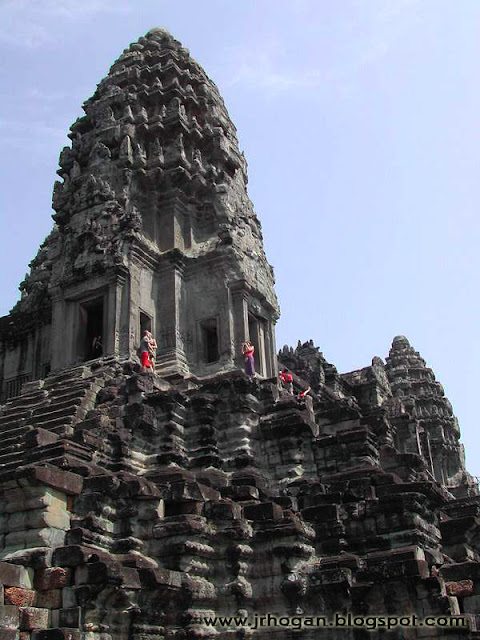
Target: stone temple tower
[[154, 229], [140, 507]]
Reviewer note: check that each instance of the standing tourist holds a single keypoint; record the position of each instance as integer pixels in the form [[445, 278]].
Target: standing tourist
[[145, 351], [248, 351]]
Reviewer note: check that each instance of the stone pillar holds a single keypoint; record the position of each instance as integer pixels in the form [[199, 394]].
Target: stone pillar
[[240, 320], [112, 317], [110, 321], [270, 355], [124, 320], [170, 222], [170, 312], [59, 349]]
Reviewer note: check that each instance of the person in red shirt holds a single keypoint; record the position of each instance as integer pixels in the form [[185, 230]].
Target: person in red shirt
[[286, 379], [248, 351]]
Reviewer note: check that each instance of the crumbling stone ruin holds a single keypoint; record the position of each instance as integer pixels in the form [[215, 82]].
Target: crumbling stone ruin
[[135, 506]]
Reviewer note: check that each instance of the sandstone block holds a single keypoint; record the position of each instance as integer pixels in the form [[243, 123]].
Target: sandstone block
[[52, 578], [70, 618], [39, 437], [33, 618], [35, 558], [459, 589], [98, 573], [139, 383], [241, 492], [70, 556], [51, 599], [15, 576], [64, 481], [47, 536], [19, 597], [58, 519], [263, 511], [9, 617], [151, 578], [222, 510], [13, 634]]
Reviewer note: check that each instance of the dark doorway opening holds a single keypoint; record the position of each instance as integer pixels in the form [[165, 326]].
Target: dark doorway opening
[[145, 323], [91, 316], [210, 340]]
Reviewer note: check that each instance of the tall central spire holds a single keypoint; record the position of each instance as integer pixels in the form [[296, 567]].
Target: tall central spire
[[155, 227]]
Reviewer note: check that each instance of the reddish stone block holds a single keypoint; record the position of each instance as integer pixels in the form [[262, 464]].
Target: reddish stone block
[[52, 578], [19, 597], [459, 589], [33, 618], [65, 481]]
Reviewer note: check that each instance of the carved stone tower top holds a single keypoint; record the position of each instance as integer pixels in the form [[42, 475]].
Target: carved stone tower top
[[154, 227]]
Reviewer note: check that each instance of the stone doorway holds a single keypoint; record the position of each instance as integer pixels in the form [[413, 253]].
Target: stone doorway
[[92, 337]]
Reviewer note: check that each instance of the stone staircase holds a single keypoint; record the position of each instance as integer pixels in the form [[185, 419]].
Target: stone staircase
[[55, 405]]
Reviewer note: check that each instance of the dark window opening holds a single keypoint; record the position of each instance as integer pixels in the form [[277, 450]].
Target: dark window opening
[[91, 317], [210, 340], [45, 370], [13, 387], [145, 323]]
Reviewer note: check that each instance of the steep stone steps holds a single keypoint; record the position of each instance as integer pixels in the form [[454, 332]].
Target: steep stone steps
[[18, 431], [12, 416], [56, 425], [11, 459], [55, 404], [30, 400], [6, 430], [70, 375], [55, 409], [13, 439], [64, 394]]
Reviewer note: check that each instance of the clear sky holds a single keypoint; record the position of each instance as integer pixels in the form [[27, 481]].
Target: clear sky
[[360, 121]]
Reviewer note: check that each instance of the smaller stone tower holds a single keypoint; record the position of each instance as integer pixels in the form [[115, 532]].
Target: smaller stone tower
[[419, 395]]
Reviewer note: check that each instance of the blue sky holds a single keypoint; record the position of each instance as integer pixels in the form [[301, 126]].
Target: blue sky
[[360, 121]]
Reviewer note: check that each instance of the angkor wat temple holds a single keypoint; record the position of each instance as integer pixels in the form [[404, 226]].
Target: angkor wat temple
[[136, 505]]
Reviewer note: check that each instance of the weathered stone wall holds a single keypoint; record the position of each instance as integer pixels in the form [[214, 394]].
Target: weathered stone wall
[[139, 508]]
